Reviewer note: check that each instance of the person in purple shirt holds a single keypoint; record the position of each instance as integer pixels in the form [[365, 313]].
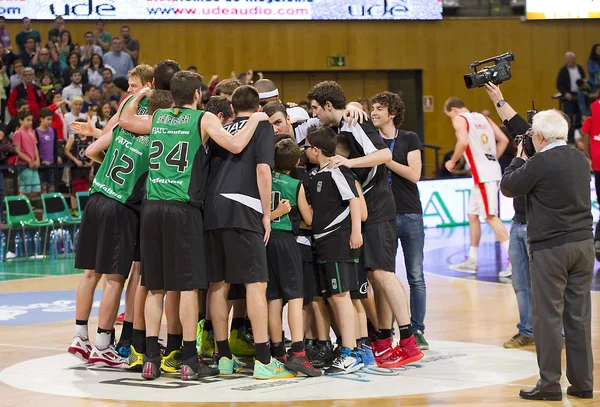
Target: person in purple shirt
[[47, 146], [4, 34]]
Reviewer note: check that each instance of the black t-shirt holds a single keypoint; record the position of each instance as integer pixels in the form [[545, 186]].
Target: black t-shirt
[[331, 190], [406, 193], [78, 150], [364, 139], [232, 197]]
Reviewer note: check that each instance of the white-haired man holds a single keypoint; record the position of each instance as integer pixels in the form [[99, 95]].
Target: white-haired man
[[556, 182]]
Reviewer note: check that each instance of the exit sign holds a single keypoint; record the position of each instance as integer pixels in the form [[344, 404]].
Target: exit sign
[[336, 62]]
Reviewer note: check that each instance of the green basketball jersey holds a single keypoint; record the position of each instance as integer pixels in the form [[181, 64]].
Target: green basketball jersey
[[174, 162], [285, 187], [123, 172]]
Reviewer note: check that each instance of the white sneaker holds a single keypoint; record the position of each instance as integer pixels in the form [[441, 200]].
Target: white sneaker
[[507, 272], [106, 357], [80, 348], [467, 266]]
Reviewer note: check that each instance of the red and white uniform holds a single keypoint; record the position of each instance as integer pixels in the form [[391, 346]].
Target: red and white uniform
[[481, 156]]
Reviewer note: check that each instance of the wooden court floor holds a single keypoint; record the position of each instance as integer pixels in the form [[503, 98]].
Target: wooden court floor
[[459, 310]]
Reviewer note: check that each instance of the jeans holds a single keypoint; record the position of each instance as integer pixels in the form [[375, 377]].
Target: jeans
[[411, 233], [518, 251]]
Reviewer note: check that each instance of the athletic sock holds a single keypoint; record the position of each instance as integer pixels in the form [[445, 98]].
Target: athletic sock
[[505, 245], [237, 323], [126, 332], [173, 342], [405, 332], [384, 334], [138, 340], [262, 353], [278, 349], [224, 350], [208, 325], [113, 335], [152, 348], [103, 339], [297, 348], [473, 253], [189, 350], [81, 329]]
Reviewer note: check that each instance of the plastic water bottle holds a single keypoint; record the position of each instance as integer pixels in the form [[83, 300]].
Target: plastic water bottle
[[67, 242], [29, 249], [76, 239], [37, 240], [2, 248], [18, 245], [53, 249]]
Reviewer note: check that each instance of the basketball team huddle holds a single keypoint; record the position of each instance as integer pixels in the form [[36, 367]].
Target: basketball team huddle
[[242, 205]]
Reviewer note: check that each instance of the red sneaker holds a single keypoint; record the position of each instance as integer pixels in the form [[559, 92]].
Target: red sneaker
[[406, 352], [107, 357], [120, 319], [382, 350], [81, 348]]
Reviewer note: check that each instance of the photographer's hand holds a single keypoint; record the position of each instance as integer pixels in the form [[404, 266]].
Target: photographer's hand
[[493, 92], [506, 112], [520, 151]]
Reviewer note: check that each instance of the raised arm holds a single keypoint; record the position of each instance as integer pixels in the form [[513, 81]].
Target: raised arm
[[506, 112], [212, 127]]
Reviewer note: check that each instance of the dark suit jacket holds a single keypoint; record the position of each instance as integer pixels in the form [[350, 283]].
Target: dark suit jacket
[[563, 80]]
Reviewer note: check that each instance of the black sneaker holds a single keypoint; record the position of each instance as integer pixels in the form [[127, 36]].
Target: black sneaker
[[215, 359], [314, 354], [301, 364], [326, 354], [195, 367], [151, 369]]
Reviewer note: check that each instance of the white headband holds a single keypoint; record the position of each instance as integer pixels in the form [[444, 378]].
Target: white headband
[[267, 95]]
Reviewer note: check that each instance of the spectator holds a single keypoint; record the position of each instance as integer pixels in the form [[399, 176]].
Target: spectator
[[58, 105], [594, 65], [74, 64], [81, 174], [120, 61], [64, 48], [87, 90], [96, 96], [74, 114], [59, 27], [461, 169], [13, 124], [90, 48], [43, 62], [17, 77], [566, 82], [75, 88], [29, 53], [103, 38], [29, 91], [121, 86], [46, 82], [132, 46], [586, 95], [25, 144], [4, 83], [92, 115], [104, 115], [4, 34], [27, 32], [94, 70], [108, 88], [8, 58], [47, 147], [7, 150], [591, 136], [226, 87]]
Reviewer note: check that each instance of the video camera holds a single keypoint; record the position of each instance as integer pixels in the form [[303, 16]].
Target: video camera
[[528, 147], [497, 73]]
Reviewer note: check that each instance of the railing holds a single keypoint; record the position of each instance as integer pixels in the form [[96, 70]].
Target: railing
[[15, 173], [436, 154]]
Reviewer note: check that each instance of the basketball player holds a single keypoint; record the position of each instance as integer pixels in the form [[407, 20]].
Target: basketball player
[[109, 232], [368, 155], [282, 123], [268, 92], [482, 142]]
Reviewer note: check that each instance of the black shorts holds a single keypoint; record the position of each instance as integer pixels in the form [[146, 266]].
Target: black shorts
[[338, 277], [379, 248], [107, 236], [363, 283], [46, 175], [236, 256], [284, 261], [172, 247], [310, 274]]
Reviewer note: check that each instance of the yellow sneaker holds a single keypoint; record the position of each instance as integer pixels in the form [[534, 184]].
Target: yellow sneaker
[[135, 361], [274, 370], [172, 362], [239, 344]]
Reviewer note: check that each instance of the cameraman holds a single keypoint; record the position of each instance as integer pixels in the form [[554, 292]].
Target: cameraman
[[518, 248], [556, 182]]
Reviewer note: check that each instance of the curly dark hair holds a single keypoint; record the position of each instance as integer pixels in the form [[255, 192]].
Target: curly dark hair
[[394, 104], [593, 55], [328, 91]]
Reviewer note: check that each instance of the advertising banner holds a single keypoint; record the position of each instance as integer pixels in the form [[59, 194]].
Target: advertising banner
[[561, 9]]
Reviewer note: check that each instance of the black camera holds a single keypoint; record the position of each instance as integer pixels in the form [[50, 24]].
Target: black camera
[[497, 73], [528, 147]]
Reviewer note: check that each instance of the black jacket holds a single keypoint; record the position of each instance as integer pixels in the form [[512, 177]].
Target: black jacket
[[563, 80]]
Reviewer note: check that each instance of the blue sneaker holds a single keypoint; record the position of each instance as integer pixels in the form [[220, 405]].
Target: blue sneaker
[[347, 362], [367, 354]]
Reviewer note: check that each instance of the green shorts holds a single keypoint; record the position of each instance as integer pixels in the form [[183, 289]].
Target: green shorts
[[29, 181]]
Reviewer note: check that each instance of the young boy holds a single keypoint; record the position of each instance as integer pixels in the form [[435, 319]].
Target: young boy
[[80, 175], [74, 114], [284, 260], [336, 227], [47, 146], [25, 144], [13, 124]]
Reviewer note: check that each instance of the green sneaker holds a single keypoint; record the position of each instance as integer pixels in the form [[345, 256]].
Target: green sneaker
[[199, 331], [274, 370], [420, 338], [207, 343], [229, 366], [239, 344]]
